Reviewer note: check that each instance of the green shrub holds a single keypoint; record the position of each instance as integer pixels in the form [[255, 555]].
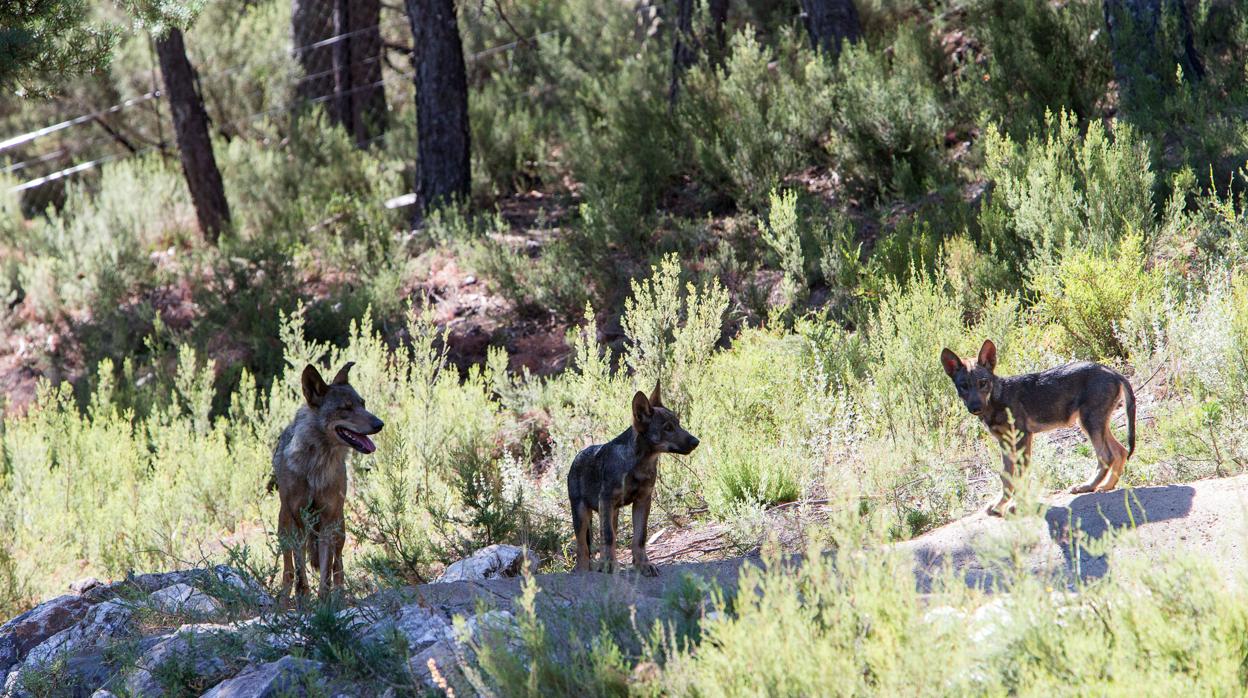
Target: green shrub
[[1066, 189], [890, 116], [1041, 57], [624, 151], [672, 331], [1093, 296], [758, 423], [750, 122], [1201, 431]]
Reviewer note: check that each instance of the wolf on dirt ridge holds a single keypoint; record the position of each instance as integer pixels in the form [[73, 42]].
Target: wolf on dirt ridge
[[1031, 403], [310, 474]]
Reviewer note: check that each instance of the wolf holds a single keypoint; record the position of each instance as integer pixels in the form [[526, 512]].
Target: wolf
[[310, 474], [1082, 392], [605, 477]]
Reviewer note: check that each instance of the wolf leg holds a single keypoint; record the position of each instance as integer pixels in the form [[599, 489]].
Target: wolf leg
[[285, 541], [641, 516], [1096, 426], [581, 518], [1013, 462], [1117, 464], [339, 580], [608, 515]]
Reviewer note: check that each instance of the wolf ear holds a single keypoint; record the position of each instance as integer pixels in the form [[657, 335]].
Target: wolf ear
[[313, 386], [341, 377], [642, 411], [950, 362], [655, 400], [987, 355]]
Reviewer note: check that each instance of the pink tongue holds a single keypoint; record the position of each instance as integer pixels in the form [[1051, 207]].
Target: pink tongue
[[366, 442]]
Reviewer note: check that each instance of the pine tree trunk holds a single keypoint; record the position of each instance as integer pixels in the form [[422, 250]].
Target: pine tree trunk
[[830, 23], [344, 74], [442, 162], [1141, 62], [312, 21], [719, 39], [684, 53], [190, 123], [367, 111]]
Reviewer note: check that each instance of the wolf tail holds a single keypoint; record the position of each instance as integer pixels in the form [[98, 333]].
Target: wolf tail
[[1130, 400]]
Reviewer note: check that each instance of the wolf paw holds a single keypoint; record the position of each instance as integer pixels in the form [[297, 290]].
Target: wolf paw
[[606, 566], [1002, 508], [1081, 489], [648, 570]]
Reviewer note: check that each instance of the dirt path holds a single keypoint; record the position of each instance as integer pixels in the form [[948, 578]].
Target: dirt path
[[1207, 517], [1204, 517]]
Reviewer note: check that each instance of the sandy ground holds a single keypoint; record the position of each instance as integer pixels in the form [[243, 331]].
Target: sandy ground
[[1081, 536], [1076, 537]]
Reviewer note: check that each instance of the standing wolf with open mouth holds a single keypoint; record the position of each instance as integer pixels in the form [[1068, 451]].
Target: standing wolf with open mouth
[[310, 472]]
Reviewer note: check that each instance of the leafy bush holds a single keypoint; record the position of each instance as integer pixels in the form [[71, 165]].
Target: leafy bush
[[672, 331], [624, 150], [1064, 189], [1094, 295], [781, 233], [752, 123], [890, 116], [1041, 57]]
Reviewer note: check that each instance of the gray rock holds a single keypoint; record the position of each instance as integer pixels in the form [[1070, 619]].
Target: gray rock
[[491, 562], [198, 646], [101, 624], [287, 676], [420, 625], [179, 599], [246, 588], [448, 650], [443, 657], [497, 623], [84, 585], [30, 629], [103, 694], [357, 618]]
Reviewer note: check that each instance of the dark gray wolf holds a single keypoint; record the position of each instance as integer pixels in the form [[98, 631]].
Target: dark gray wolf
[[310, 473], [1081, 392], [605, 477]]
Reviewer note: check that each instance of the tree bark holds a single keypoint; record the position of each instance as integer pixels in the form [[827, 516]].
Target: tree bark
[[190, 123], [684, 53], [442, 163], [312, 21], [1136, 43], [830, 23], [367, 110], [344, 73], [719, 39]]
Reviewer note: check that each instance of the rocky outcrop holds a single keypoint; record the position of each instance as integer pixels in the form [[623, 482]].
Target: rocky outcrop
[[287, 676], [214, 632], [491, 562], [203, 651], [27, 631]]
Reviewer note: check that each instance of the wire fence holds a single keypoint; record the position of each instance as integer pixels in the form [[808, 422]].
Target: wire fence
[[340, 64], [335, 67], [302, 100]]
